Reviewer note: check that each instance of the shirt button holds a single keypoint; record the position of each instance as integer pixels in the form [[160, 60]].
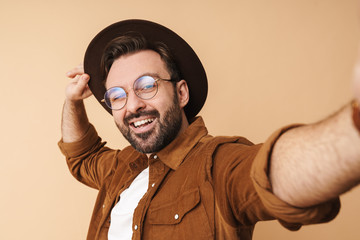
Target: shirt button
[[176, 216], [136, 227], [153, 185], [104, 206], [155, 156]]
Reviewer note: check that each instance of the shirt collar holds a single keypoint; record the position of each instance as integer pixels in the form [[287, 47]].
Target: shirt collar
[[174, 153]]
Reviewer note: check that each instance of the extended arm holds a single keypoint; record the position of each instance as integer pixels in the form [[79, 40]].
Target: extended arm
[[318, 162], [74, 118], [315, 163]]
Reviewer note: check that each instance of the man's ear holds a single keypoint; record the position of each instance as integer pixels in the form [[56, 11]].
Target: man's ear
[[182, 92]]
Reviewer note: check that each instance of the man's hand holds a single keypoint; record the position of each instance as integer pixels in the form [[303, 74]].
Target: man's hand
[[74, 119], [78, 88]]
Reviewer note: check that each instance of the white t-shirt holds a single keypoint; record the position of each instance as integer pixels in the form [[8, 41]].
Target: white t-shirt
[[122, 213]]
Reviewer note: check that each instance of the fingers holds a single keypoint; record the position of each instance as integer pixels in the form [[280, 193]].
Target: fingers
[[78, 88], [82, 88], [78, 70], [81, 81]]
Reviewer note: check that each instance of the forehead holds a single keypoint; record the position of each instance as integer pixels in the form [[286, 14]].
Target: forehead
[[126, 69]]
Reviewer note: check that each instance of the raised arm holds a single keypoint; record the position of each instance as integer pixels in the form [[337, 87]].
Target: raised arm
[[315, 163], [74, 118]]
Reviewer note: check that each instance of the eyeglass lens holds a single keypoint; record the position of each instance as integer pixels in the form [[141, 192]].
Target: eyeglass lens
[[144, 87]]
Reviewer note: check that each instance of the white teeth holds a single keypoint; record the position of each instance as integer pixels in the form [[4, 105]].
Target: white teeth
[[141, 122]]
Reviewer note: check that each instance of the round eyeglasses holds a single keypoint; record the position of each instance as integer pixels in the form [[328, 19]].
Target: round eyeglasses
[[144, 87]]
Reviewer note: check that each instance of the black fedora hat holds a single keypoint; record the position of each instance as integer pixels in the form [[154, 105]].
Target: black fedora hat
[[188, 63]]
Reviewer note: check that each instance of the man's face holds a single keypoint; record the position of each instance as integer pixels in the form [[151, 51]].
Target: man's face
[[148, 125]]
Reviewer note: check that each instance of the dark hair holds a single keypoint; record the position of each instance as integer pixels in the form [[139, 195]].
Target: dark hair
[[133, 42]]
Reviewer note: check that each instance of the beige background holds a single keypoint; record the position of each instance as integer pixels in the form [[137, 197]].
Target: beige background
[[269, 63]]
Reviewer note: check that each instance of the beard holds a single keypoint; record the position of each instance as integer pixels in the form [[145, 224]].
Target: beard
[[164, 132]]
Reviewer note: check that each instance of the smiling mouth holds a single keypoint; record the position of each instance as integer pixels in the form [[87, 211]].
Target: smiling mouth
[[142, 123]]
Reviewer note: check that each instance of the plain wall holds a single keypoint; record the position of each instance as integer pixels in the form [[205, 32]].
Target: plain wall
[[269, 63]]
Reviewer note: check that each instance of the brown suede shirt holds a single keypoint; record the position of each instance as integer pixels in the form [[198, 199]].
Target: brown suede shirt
[[200, 187]]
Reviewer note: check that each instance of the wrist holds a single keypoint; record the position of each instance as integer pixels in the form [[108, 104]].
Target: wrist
[[74, 102], [356, 114]]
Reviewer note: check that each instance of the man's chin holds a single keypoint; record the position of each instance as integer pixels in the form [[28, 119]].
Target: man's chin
[[143, 143], [143, 148]]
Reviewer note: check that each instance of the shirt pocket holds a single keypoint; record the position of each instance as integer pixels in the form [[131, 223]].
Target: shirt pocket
[[183, 218]]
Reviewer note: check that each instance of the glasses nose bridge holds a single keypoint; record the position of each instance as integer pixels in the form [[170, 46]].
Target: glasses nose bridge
[[127, 91], [133, 101]]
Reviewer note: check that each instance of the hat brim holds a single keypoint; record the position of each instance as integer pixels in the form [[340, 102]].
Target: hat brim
[[188, 63]]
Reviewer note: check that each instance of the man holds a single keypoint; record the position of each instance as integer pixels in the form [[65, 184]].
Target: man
[[176, 181]]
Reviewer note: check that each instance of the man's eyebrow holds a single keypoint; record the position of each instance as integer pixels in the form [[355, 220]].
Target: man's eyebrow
[[151, 74]]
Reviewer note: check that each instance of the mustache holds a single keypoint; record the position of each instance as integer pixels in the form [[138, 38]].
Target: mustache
[[131, 116]]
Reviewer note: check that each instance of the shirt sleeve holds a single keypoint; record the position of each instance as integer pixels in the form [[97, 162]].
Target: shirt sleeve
[[88, 159], [289, 216]]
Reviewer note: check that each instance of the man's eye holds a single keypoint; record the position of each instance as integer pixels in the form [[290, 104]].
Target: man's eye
[[148, 87], [117, 98]]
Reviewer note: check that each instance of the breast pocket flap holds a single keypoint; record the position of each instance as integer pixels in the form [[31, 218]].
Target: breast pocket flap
[[173, 212]]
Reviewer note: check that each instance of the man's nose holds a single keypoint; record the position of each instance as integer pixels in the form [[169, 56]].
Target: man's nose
[[134, 103]]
